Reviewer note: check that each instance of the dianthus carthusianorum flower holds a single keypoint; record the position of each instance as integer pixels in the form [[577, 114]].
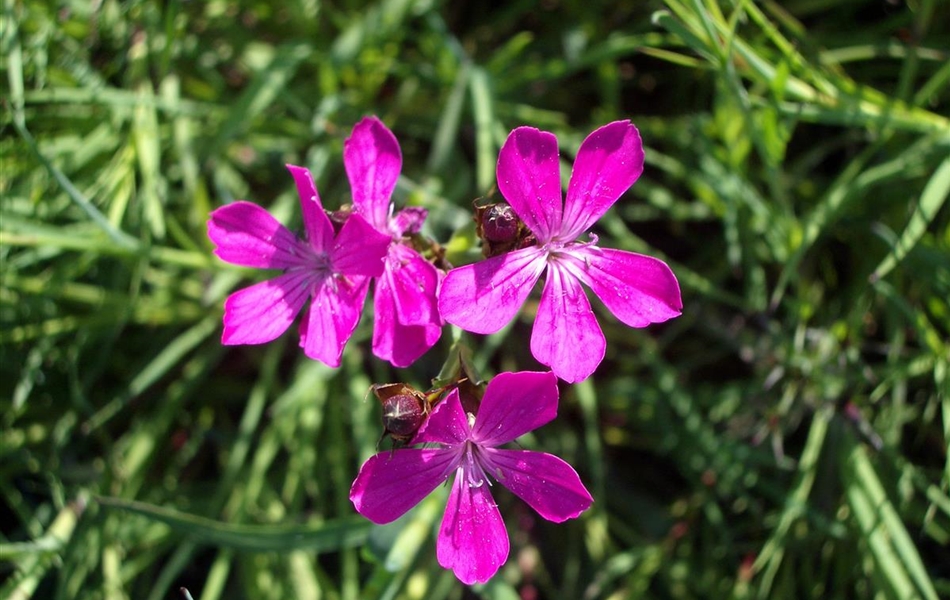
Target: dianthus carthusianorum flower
[[406, 320], [637, 289], [472, 539], [332, 270]]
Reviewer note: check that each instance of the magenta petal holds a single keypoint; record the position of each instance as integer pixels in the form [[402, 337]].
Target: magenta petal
[[447, 424], [399, 344], [359, 249], [262, 312], [247, 235], [406, 317], [409, 220], [547, 483], [514, 404], [332, 317], [483, 297], [472, 540], [391, 483], [412, 281], [402, 345], [315, 220], [373, 160], [637, 289], [529, 178], [608, 162], [566, 336]]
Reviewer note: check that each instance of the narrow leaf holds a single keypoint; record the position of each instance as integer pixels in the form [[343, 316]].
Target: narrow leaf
[[931, 200], [323, 537]]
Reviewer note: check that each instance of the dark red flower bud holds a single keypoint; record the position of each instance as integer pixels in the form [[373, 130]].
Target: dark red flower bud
[[404, 410], [500, 223], [500, 229], [402, 415]]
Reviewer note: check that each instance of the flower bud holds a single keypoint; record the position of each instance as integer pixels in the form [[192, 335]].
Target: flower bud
[[404, 410]]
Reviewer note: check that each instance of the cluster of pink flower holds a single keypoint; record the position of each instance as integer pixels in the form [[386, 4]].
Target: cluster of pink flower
[[345, 250]]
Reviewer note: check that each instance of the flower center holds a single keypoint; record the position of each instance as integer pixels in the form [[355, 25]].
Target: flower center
[[318, 270], [472, 469], [556, 250], [321, 265]]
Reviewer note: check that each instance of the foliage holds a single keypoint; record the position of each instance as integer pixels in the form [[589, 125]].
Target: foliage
[[786, 437]]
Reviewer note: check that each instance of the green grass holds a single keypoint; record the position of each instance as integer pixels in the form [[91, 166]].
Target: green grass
[[785, 438]]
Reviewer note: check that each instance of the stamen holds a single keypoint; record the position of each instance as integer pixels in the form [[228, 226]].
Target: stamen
[[471, 465]]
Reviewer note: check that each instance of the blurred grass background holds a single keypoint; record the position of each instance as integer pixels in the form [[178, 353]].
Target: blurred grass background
[[785, 438]]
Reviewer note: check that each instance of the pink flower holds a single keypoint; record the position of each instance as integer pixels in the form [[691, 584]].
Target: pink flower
[[472, 539], [637, 289], [332, 270], [407, 321]]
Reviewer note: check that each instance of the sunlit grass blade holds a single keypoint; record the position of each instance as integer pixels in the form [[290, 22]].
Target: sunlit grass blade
[[770, 557], [851, 184], [120, 238], [895, 555], [329, 536], [34, 559], [449, 122], [152, 186], [267, 85], [166, 359], [931, 200], [482, 107], [832, 97]]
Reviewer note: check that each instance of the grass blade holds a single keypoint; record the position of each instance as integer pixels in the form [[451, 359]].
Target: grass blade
[[330, 536], [932, 199]]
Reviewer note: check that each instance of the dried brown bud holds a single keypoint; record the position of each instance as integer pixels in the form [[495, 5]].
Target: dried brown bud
[[500, 223], [404, 410], [500, 229], [403, 415]]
